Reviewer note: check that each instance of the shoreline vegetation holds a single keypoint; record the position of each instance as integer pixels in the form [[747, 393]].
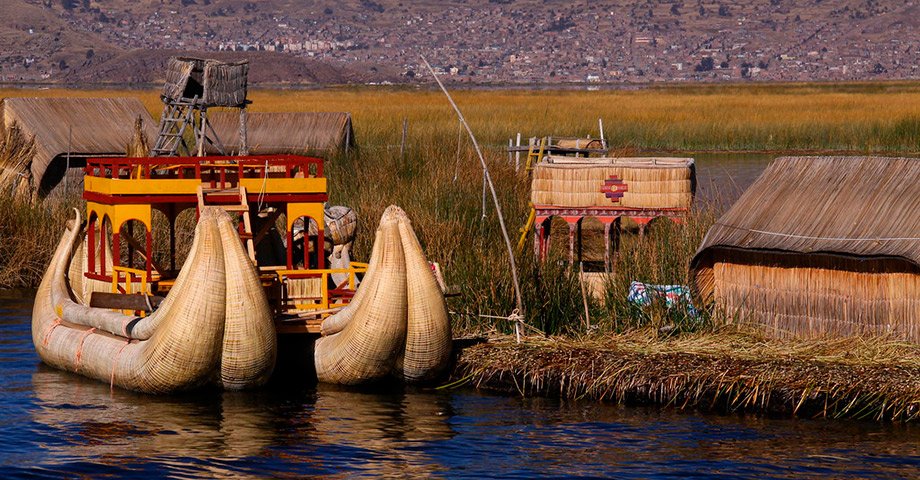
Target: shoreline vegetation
[[603, 349]]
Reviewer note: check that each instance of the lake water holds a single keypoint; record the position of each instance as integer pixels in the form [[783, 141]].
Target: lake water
[[54, 424]]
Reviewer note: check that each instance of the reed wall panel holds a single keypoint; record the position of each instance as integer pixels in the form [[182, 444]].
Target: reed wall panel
[[816, 296], [586, 182]]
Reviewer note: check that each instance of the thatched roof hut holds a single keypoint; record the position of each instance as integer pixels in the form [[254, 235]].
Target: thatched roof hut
[[297, 133], [647, 182], [85, 127], [214, 83], [820, 246]]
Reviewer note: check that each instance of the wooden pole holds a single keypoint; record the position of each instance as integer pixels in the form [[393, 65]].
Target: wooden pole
[[67, 168], [600, 125], [584, 295], [517, 154], [244, 141], [498, 208]]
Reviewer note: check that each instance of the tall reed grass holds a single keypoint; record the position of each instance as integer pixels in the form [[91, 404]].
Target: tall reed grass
[[439, 183]]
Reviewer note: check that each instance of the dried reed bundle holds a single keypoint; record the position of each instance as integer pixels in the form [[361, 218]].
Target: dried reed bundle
[[199, 326], [250, 341], [367, 346], [16, 154], [396, 324], [428, 338], [586, 143], [138, 147]]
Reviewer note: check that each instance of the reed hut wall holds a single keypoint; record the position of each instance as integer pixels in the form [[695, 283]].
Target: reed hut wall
[[820, 247], [296, 133], [593, 182], [85, 127]]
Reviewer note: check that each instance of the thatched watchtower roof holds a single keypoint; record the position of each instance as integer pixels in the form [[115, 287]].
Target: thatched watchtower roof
[[84, 126], [212, 82], [297, 133]]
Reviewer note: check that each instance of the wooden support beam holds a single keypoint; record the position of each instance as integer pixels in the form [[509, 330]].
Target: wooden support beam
[[269, 222], [141, 250], [121, 301]]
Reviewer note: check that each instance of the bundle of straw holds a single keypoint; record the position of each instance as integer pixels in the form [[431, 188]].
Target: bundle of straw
[[215, 324], [396, 324], [16, 153]]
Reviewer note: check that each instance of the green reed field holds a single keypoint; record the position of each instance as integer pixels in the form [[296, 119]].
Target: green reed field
[[438, 181]]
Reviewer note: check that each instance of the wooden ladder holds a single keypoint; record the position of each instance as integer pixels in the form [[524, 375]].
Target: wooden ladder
[[175, 119], [535, 154], [241, 207]]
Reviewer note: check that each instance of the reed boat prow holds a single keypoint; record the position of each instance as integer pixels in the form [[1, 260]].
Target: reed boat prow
[[185, 343], [397, 324]]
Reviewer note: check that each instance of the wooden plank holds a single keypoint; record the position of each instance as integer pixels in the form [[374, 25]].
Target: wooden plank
[[141, 250], [120, 301]]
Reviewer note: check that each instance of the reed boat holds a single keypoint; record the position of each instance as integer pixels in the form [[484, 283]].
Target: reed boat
[[266, 282]]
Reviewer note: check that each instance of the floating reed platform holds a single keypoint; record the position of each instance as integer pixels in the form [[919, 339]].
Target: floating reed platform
[[846, 378]]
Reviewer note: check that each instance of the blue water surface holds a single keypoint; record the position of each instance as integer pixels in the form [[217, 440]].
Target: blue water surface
[[54, 424]]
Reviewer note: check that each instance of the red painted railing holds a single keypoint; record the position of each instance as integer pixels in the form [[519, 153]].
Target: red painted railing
[[207, 168]]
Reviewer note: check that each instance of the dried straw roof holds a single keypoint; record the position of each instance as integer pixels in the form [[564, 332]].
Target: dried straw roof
[[293, 132], [857, 206], [87, 126]]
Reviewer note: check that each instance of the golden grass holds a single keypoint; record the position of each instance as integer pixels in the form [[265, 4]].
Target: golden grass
[[849, 117]]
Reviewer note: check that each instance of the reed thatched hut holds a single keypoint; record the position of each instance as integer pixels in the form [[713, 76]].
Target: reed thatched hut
[[298, 133], [74, 127], [820, 246]]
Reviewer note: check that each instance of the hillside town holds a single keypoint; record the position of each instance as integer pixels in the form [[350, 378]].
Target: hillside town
[[506, 42]]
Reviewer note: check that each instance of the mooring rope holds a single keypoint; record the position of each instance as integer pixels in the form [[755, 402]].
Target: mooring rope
[[810, 237], [515, 318]]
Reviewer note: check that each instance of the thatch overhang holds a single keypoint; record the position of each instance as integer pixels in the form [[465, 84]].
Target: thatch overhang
[[298, 133], [821, 227], [85, 127]]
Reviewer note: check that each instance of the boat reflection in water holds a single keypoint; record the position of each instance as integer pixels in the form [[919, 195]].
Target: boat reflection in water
[[319, 429]]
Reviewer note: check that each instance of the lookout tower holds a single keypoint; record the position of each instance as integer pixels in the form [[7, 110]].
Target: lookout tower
[[193, 85]]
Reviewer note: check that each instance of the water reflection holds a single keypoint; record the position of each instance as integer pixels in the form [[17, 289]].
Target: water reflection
[[219, 434]]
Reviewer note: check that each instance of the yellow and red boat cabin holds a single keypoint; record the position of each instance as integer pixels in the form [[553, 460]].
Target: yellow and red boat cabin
[[140, 224]]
